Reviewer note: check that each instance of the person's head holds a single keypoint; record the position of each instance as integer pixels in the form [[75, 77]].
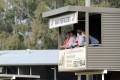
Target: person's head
[[71, 33], [67, 34], [83, 33], [78, 30]]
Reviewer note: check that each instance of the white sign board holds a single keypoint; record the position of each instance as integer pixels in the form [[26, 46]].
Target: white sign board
[[72, 59], [63, 20]]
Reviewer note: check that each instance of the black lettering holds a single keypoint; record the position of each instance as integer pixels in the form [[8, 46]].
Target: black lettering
[[56, 21], [73, 17], [79, 63], [75, 64], [67, 19], [61, 20]]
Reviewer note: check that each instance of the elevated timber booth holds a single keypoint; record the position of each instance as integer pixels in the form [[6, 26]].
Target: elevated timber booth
[[103, 24]]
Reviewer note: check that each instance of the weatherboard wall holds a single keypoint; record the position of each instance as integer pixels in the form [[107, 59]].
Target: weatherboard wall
[[106, 56]]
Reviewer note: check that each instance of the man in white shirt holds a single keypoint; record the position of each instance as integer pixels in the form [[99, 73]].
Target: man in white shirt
[[72, 39], [92, 40]]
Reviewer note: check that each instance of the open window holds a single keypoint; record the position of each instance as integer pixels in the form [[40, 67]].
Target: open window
[[81, 22], [12, 70], [94, 29], [73, 56], [80, 25]]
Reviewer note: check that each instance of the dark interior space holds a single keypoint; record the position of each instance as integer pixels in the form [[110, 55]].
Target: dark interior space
[[112, 75], [12, 70], [95, 26], [24, 70], [66, 76], [81, 22], [97, 77]]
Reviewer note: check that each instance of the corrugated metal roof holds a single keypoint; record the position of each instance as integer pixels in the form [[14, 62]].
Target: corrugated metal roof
[[32, 57]]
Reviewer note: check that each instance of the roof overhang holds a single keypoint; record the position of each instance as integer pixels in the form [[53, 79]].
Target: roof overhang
[[34, 57], [91, 72], [70, 8], [12, 76]]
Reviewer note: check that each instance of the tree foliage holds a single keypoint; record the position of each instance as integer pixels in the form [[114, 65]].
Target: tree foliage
[[22, 25]]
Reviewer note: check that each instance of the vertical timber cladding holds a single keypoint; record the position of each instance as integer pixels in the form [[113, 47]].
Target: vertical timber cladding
[[107, 56]]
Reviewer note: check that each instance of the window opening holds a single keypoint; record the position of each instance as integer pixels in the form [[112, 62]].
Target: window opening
[[94, 29], [24, 70], [12, 70], [72, 35]]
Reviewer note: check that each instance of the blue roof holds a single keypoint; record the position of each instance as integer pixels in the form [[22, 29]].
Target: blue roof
[[32, 57]]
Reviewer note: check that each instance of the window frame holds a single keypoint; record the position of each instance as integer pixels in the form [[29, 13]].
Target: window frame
[[101, 41]]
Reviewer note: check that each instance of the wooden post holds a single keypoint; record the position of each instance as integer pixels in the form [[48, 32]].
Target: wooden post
[[87, 28], [59, 37], [79, 77], [102, 76]]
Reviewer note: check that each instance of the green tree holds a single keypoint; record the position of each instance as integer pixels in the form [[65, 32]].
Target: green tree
[[13, 42], [22, 25], [3, 38]]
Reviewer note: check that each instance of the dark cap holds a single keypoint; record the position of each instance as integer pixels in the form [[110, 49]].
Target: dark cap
[[67, 32], [72, 31], [78, 30]]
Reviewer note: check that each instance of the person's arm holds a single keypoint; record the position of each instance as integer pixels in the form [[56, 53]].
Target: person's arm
[[93, 40]]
